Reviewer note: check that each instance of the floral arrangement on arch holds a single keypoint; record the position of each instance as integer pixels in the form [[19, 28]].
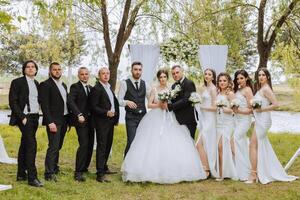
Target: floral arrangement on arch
[[181, 49]]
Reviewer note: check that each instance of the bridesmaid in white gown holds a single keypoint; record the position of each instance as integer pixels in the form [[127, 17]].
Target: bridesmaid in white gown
[[243, 113], [163, 150], [225, 126], [265, 165], [207, 140]]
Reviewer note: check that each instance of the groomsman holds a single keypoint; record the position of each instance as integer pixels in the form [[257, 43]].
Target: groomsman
[[105, 113], [53, 97], [132, 95], [23, 101], [81, 119]]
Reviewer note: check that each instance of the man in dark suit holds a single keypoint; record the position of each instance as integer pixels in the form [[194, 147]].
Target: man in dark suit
[[81, 118], [23, 101], [53, 98], [105, 113], [181, 105]]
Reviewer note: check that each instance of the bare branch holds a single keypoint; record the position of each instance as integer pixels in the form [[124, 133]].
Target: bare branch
[[280, 22], [106, 34]]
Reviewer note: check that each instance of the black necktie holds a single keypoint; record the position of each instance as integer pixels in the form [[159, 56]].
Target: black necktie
[[136, 85], [87, 90]]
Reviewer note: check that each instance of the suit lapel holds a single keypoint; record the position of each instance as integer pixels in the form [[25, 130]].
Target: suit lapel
[[83, 91], [56, 88], [105, 93]]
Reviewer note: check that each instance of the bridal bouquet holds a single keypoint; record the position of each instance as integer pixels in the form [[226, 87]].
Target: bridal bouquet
[[255, 103], [235, 103], [195, 98], [167, 96]]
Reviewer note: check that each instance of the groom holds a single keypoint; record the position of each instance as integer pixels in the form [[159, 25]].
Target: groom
[[181, 105]]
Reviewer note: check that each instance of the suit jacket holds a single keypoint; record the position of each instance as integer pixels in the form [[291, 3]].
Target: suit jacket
[[100, 105], [78, 103], [181, 106], [52, 102], [18, 99]]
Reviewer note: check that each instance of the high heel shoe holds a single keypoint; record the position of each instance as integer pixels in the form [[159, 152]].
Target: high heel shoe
[[253, 178], [208, 174]]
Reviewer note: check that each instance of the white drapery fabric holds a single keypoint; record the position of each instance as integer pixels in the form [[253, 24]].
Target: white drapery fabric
[[148, 55], [4, 158], [213, 56]]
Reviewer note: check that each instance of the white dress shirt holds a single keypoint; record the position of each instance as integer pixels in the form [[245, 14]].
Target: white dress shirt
[[110, 95], [63, 93], [33, 97]]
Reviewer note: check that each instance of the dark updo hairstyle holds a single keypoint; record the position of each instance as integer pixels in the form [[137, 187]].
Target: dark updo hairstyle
[[25, 64], [162, 71], [245, 74], [230, 83], [257, 85], [214, 81]]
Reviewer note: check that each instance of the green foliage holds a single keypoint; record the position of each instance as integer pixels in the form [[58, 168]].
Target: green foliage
[[59, 39]]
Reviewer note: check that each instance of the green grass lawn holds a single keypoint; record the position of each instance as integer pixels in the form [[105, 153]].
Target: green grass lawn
[[66, 188]]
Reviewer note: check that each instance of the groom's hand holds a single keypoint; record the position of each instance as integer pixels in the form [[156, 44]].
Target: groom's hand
[[131, 104]]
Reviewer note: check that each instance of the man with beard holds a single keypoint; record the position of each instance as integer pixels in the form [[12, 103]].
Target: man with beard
[[81, 118], [132, 95], [53, 98], [23, 101]]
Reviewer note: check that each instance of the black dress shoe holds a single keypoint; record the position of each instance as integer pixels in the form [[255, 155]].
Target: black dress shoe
[[102, 179], [110, 172], [35, 183], [21, 178], [79, 177], [51, 177]]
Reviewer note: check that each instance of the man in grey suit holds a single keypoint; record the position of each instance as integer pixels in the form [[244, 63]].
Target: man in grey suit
[[132, 94]]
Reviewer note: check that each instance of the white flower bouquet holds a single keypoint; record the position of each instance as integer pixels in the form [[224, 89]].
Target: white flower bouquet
[[255, 103], [235, 103], [167, 96], [221, 103], [195, 98]]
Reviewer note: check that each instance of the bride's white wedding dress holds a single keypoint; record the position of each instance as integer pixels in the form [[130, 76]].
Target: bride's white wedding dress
[[4, 158], [268, 166], [162, 151]]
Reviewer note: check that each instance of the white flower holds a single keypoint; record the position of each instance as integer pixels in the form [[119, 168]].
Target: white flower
[[255, 103], [235, 103], [195, 98]]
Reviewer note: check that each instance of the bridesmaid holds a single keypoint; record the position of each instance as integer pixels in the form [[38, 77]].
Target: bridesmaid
[[240, 144], [206, 144], [264, 162], [225, 126]]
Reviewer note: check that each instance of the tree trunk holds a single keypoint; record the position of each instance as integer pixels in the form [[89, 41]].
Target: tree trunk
[[113, 67], [263, 58]]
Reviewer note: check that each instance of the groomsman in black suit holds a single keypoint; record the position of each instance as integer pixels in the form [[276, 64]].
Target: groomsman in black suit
[[23, 101], [53, 98], [181, 105], [105, 113], [81, 119]]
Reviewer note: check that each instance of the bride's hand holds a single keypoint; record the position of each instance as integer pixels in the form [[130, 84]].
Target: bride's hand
[[163, 105]]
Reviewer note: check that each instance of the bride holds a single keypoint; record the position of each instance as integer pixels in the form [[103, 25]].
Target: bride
[[162, 151]]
